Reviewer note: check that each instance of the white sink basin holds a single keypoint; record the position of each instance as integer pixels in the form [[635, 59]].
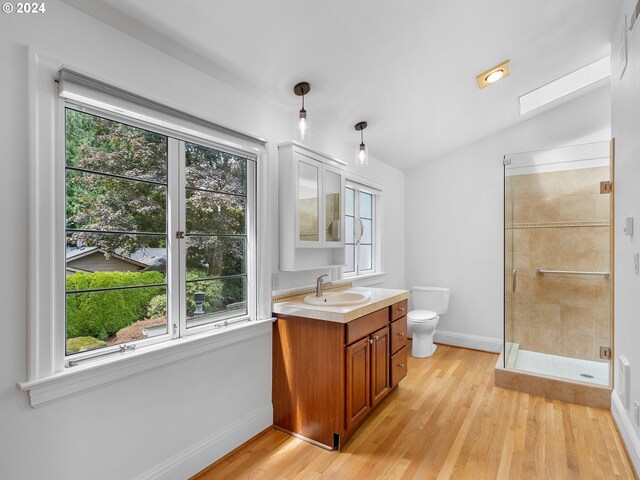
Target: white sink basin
[[336, 299]]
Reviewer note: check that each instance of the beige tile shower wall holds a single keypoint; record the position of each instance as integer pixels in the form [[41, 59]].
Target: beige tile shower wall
[[560, 314]]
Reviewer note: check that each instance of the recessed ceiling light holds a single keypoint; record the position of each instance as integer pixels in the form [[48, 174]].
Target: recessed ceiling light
[[493, 74]]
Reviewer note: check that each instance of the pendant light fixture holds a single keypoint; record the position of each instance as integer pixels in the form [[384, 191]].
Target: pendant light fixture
[[362, 154], [302, 124]]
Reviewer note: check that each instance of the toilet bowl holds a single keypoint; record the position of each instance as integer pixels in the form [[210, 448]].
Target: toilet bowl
[[422, 324], [429, 303]]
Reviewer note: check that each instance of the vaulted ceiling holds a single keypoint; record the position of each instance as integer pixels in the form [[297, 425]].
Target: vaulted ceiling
[[408, 67]]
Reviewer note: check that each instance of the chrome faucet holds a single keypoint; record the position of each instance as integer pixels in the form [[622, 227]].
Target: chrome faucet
[[320, 284]]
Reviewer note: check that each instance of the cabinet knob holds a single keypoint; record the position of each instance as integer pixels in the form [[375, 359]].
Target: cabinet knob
[[371, 340], [401, 365], [402, 309], [376, 338], [401, 334]]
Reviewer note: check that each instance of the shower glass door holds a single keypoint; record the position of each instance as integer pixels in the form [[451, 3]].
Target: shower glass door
[[557, 306]]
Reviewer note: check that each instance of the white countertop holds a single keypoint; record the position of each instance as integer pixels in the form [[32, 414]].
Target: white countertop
[[378, 298]]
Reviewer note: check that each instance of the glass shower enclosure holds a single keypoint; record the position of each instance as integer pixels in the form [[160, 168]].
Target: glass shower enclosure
[[558, 260]]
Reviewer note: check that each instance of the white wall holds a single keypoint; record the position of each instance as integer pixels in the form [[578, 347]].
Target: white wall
[[625, 123], [454, 216], [212, 402]]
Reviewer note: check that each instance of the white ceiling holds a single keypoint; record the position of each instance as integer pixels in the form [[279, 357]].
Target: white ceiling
[[407, 67]]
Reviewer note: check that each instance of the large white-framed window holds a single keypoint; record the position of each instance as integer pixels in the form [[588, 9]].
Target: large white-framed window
[[144, 228], [362, 229], [128, 189]]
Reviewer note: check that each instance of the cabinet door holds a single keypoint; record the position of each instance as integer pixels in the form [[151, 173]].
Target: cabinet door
[[308, 202], [357, 380], [379, 365], [333, 189]]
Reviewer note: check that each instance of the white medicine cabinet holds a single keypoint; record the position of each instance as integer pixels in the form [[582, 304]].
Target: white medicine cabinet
[[311, 198]]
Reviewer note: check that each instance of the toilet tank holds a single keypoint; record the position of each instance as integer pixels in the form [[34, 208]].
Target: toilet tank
[[435, 299]]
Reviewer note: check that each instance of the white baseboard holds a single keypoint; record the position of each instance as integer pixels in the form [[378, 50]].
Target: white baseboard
[[203, 453], [629, 436], [466, 340]]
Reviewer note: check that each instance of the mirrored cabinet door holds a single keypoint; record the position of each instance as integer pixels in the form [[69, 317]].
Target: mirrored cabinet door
[[333, 205], [308, 202]]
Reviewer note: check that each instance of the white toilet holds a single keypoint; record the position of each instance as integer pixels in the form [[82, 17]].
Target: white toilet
[[429, 304]]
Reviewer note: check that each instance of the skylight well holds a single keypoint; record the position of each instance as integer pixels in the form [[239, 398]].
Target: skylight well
[[566, 85]]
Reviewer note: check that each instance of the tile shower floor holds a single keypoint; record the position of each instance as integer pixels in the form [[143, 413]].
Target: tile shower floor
[[563, 367]]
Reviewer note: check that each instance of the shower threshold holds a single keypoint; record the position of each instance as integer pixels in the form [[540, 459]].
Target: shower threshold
[[560, 379], [567, 368]]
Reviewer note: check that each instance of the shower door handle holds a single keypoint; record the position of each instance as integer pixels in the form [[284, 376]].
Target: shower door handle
[[513, 280]]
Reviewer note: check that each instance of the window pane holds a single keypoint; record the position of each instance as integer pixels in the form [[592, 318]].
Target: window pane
[[215, 300], [366, 258], [210, 256], [349, 201], [349, 259], [366, 231], [105, 146], [104, 318], [117, 253], [210, 169], [103, 305], [366, 205], [349, 230], [100, 202], [215, 241], [215, 212], [308, 217]]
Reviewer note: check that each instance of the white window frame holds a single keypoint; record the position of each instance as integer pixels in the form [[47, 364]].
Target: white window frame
[[49, 377], [361, 184], [176, 221]]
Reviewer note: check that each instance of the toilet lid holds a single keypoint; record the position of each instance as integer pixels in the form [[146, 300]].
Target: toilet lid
[[421, 315]]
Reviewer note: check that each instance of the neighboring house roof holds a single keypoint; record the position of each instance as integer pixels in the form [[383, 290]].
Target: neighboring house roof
[[155, 258], [79, 252], [142, 257], [147, 255]]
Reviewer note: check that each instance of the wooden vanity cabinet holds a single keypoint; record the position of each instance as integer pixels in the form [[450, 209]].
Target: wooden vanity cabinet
[[329, 376]]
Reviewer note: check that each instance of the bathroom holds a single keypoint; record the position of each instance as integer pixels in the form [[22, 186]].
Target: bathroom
[[437, 223]]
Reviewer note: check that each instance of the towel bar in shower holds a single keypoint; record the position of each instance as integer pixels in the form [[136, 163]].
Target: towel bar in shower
[[542, 271]]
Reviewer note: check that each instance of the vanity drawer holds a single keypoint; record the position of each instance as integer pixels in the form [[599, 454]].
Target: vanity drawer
[[398, 334], [399, 309], [363, 326], [398, 366]]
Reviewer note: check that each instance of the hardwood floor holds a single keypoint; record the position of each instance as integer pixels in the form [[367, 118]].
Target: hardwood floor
[[446, 420]]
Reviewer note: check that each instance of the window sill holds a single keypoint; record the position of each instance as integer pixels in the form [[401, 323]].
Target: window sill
[[75, 380], [367, 279]]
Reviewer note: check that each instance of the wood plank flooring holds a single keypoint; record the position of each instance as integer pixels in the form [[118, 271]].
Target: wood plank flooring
[[446, 420]]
